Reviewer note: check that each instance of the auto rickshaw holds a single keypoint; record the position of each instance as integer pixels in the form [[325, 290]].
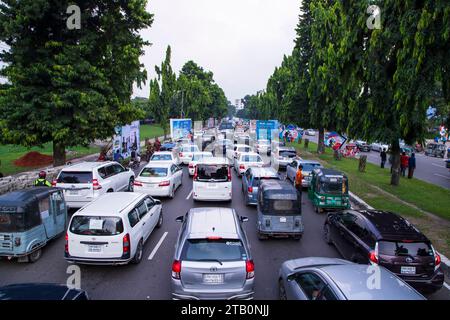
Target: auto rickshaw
[[279, 210], [328, 190], [29, 219], [435, 150]]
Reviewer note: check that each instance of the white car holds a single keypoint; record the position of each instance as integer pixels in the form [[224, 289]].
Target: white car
[[233, 153], [263, 146], [310, 132], [282, 156], [165, 156], [186, 151], [113, 229], [86, 181], [247, 160], [196, 157], [159, 179], [212, 180], [379, 146]]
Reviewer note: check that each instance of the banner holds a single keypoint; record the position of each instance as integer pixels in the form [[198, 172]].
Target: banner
[[180, 128], [126, 139], [266, 129]]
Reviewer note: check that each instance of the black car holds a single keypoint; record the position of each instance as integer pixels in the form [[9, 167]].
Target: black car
[[41, 291], [386, 239]]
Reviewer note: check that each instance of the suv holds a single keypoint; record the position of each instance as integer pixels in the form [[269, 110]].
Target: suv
[[386, 239], [212, 257], [86, 181]]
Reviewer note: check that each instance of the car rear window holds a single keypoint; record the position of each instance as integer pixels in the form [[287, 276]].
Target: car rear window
[[288, 154], [281, 207], [310, 166], [75, 177], [257, 181], [161, 157], [207, 250], [392, 248], [153, 172], [198, 157], [212, 172], [96, 226], [247, 158], [244, 149]]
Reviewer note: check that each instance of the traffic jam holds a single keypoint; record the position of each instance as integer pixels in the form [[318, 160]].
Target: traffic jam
[[240, 217]]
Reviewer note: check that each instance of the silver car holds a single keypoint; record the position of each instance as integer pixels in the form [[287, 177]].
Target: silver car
[[337, 279], [308, 167], [212, 257]]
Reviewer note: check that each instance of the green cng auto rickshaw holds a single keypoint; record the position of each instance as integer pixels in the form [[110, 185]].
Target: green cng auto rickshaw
[[28, 220], [328, 190]]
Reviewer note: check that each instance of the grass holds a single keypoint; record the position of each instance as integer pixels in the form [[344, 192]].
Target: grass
[[150, 131], [373, 186]]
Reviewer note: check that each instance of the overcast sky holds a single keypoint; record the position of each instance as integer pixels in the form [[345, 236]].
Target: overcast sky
[[240, 41]]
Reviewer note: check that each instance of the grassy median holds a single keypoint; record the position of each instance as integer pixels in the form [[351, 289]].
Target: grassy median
[[419, 201], [150, 131]]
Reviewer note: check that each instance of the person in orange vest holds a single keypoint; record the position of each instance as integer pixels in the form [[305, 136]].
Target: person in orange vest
[[299, 178]]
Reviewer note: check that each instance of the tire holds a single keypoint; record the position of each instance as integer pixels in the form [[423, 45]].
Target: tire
[[35, 256], [262, 236], [110, 190], [138, 255], [160, 220], [297, 238], [281, 290], [326, 234], [131, 185]]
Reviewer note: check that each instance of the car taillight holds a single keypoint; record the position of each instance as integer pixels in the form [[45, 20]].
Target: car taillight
[[180, 154], [164, 184], [54, 183], [195, 174], [126, 243], [250, 189], [437, 260], [176, 269], [241, 167], [96, 185], [250, 268], [373, 257], [191, 166], [66, 246], [137, 183], [229, 174], [213, 238]]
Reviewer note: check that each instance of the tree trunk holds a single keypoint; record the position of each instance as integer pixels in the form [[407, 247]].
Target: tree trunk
[[321, 143], [362, 163], [59, 154], [395, 172]]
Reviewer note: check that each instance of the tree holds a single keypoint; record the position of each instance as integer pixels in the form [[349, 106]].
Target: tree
[[69, 86]]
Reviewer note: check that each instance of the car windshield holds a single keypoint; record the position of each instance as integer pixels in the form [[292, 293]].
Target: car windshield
[[161, 157], [96, 226], [154, 172], [212, 172], [281, 207], [391, 248], [197, 157], [12, 222], [251, 158], [213, 250], [310, 166], [75, 177], [288, 154]]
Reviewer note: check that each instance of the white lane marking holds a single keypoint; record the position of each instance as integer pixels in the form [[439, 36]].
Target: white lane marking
[[440, 175], [190, 195], [157, 246], [437, 165], [447, 286]]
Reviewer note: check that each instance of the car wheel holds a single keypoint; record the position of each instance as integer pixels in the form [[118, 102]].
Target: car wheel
[[297, 238], [160, 220], [281, 290], [262, 236], [326, 234], [138, 255], [35, 256], [110, 190], [131, 185]]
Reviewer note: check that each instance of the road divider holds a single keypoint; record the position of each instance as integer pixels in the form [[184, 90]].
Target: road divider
[[157, 246]]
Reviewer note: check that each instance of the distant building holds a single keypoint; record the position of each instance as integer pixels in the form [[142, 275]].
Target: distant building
[[239, 104]]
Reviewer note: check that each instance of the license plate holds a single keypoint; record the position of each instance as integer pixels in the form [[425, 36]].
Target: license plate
[[408, 270], [283, 219], [213, 278], [211, 185], [73, 192], [94, 249]]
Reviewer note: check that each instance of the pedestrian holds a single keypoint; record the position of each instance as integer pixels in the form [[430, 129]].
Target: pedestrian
[[411, 165], [41, 181], [117, 155], [404, 161], [383, 156], [299, 179]]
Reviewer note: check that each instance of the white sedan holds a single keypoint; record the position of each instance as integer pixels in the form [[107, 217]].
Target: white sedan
[[159, 179], [247, 160], [186, 151], [310, 132], [233, 154], [263, 146], [164, 156], [196, 157], [379, 146]]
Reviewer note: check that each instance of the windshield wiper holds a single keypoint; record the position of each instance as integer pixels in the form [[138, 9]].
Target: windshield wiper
[[214, 260]]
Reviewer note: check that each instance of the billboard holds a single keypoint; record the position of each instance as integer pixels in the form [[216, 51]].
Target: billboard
[[267, 129], [180, 128], [126, 139]]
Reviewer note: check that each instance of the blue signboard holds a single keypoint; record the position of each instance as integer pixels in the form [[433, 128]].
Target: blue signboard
[[266, 129], [180, 128]]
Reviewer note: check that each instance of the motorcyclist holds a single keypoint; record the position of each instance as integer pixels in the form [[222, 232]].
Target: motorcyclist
[[41, 181]]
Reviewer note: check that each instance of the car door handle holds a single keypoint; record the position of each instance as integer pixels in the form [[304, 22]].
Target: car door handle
[[143, 224]]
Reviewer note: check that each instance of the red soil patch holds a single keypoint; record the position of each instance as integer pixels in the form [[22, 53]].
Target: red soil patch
[[34, 159]]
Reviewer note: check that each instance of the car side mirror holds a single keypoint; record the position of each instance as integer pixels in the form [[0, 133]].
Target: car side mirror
[[157, 202], [244, 219], [180, 219]]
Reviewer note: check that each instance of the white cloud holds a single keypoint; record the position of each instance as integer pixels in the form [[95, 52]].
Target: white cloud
[[240, 41]]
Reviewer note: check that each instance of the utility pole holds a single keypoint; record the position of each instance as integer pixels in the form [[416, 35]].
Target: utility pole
[[182, 103]]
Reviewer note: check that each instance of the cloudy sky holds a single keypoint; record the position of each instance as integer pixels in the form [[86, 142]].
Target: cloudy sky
[[240, 41]]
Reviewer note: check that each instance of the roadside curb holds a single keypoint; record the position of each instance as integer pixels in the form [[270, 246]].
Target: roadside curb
[[445, 262]]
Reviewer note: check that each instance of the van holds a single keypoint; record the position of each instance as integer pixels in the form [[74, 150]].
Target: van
[[212, 180]]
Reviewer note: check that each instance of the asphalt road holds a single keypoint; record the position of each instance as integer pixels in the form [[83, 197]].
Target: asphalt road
[[151, 278], [428, 169]]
